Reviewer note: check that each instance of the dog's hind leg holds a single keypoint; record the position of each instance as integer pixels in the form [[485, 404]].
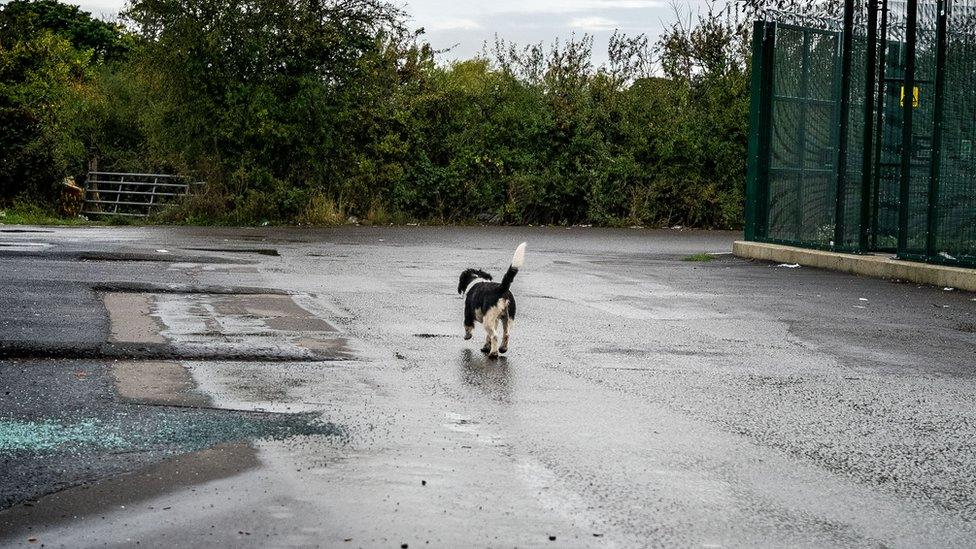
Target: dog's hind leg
[[491, 326], [506, 324], [493, 345], [468, 322]]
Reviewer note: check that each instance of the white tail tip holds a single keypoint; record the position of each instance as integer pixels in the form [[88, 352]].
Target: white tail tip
[[519, 258]]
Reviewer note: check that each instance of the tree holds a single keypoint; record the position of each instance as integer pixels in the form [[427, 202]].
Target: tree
[[257, 95], [23, 20], [42, 81]]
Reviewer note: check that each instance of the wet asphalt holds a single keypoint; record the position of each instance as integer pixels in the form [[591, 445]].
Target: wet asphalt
[[644, 401]]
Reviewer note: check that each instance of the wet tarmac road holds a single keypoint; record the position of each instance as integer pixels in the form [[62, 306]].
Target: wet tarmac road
[[645, 400]]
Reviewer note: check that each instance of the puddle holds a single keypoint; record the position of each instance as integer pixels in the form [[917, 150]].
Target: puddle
[[490, 376], [25, 245], [114, 493], [656, 351]]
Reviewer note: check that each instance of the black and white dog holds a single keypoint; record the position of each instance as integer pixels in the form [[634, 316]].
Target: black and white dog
[[490, 302]]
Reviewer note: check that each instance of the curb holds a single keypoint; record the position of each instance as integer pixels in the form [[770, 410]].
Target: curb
[[866, 265]]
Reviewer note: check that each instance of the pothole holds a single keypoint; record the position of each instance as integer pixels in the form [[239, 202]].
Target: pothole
[[260, 251]]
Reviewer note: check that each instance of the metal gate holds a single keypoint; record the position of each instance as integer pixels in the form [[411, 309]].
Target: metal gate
[[132, 194], [800, 134]]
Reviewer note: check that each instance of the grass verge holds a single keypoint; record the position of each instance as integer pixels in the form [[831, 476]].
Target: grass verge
[[27, 213], [700, 257]]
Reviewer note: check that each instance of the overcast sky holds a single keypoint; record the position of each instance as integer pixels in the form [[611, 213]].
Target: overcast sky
[[465, 25]]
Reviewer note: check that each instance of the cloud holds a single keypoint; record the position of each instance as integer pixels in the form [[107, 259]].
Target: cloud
[[594, 23], [451, 24], [478, 9], [572, 6], [556, 7], [101, 7]]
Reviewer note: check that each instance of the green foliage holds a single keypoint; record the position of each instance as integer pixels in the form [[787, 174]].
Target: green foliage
[[42, 83], [25, 212], [317, 110], [24, 20], [49, 52], [702, 257]]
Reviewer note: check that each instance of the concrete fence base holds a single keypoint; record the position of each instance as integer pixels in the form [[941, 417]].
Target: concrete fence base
[[867, 265]]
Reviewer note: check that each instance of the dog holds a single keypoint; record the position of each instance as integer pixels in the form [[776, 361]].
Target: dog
[[489, 302]]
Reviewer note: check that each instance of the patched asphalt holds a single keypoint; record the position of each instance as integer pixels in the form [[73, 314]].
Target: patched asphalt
[[645, 400]]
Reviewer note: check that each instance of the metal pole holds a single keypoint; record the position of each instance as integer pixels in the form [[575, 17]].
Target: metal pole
[[755, 129], [911, 25], [764, 115], [845, 107], [879, 129], [801, 137], [932, 225], [866, 159]]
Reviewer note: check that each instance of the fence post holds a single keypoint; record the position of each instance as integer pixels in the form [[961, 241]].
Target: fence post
[[758, 153], [911, 38], [932, 225], [866, 160], [152, 197], [118, 195], [879, 128], [845, 108]]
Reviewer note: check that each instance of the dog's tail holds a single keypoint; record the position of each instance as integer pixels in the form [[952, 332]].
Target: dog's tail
[[517, 260]]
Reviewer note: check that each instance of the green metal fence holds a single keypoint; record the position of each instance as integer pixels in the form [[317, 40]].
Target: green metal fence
[[863, 130]]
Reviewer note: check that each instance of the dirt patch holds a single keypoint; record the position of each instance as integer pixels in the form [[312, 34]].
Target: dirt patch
[[332, 348], [280, 312], [157, 382], [131, 320]]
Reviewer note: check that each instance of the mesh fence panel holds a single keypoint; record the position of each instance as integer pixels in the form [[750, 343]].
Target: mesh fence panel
[[803, 136], [955, 212], [797, 192], [888, 182]]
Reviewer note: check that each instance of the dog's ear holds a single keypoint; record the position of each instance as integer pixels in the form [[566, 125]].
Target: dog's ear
[[466, 277]]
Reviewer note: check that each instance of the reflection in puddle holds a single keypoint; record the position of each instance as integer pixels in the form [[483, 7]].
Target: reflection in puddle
[[490, 376]]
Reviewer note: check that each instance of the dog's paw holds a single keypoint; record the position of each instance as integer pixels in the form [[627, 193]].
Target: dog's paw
[[467, 337], [503, 349], [485, 349], [493, 354]]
